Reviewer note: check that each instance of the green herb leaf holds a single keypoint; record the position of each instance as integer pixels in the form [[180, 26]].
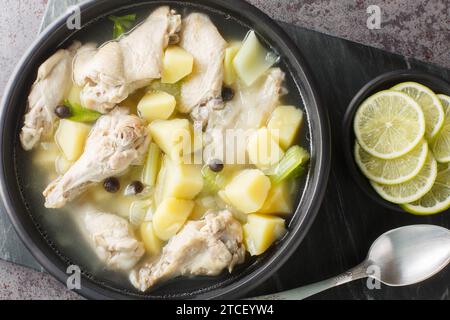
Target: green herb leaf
[[80, 114], [122, 24]]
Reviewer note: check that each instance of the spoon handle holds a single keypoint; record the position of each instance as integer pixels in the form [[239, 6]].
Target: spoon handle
[[304, 292]]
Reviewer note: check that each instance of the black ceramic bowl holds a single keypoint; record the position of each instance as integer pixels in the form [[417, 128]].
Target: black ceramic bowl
[[382, 82], [225, 286]]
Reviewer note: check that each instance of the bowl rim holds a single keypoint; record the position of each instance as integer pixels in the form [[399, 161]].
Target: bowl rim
[[317, 186], [348, 137]]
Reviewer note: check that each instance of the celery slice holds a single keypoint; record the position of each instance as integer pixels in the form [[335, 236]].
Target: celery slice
[[152, 165], [80, 114], [213, 182], [173, 89], [138, 211], [291, 166]]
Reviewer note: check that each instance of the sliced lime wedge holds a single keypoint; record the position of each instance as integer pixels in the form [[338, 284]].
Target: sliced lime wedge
[[393, 171], [437, 199], [430, 104], [441, 144], [389, 124], [413, 189]]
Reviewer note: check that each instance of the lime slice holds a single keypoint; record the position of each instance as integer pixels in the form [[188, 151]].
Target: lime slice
[[441, 144], [413, 189], [389, 124], [437, 199], [393, 171], [430, 104]]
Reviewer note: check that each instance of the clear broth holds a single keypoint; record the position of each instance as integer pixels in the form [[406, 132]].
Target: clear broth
[[60, 225]]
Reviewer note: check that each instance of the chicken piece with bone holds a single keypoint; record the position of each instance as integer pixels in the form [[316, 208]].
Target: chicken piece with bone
[[201, 92], [250, 110], [205, 247], [113, 240], [118, 68], [116, 141], [52, 85]]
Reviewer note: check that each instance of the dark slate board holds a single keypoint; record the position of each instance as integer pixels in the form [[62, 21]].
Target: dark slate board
[[348, 221]]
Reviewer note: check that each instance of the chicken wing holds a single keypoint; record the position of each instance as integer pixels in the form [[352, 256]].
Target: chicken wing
[[113, 240], [202, 91], [108, 75], [116, 141], [54, 80], [249, 110], [204, 247]]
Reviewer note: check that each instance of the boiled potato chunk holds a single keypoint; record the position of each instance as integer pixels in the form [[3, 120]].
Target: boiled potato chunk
[[279, 200], [156, 105], [174, 137], [263, 150], [152, 243], [177, 64], [183, 181], [252, 60], [247, 191], [261, 231], [170, 216], [229, 74], [285, 123], [71, 137]]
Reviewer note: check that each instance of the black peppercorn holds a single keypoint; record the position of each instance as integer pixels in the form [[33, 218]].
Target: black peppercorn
[[227, 94], [112, 185], [135, 187], [216, 165], [63, 112]]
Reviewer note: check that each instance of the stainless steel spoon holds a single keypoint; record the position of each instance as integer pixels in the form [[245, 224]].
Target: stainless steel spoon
[[402, 257]]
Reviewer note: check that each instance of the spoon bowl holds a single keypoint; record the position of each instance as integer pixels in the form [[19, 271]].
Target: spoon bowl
[[410, 254], [399, 257]]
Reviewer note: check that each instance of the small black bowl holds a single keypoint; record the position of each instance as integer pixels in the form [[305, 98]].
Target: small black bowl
[[382, 82]]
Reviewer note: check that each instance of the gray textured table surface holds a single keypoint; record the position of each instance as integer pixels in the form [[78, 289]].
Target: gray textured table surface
[[418, 28]]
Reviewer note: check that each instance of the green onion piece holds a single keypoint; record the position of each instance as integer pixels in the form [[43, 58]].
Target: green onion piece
[[138, 211], [213, 182], [291, 166], [158, 194], [152, 165], [80, 114], [122, 24]]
